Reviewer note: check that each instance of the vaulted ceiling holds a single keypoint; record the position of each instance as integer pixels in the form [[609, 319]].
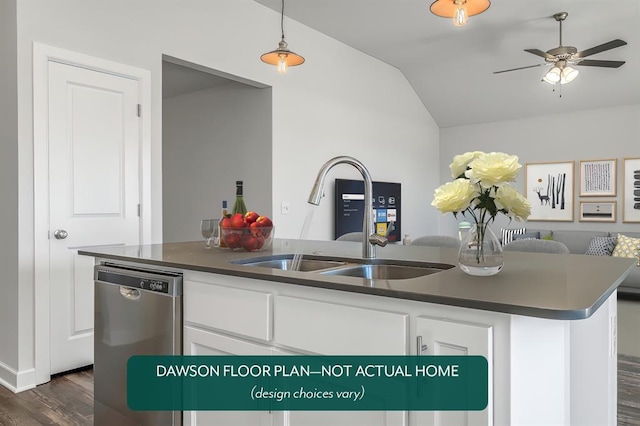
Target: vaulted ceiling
[[451, 68]]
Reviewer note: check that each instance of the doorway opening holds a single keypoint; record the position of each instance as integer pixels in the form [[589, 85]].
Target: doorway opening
[[216, 129]]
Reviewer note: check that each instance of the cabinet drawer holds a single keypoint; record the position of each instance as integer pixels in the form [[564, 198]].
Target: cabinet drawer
[[203, 342], [331, 329], [233, 310]]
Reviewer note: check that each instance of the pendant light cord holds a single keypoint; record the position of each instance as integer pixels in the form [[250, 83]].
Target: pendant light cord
[[282, 20]]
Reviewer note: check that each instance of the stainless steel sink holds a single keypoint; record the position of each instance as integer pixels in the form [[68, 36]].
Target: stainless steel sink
[[285, 263], [371, 269], [383, 272]]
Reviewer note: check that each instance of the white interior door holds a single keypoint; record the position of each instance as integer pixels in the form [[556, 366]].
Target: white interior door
[[94, 192]]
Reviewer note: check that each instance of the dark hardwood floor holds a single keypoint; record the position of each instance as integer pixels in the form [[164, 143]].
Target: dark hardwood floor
[[68, 399], [65, 400], [628, 390]]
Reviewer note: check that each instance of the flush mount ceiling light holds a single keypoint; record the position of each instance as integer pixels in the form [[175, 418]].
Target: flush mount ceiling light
[[282, 57], [459, 10]]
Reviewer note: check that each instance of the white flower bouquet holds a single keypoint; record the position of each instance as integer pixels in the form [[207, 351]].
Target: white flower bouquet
[[480, 190]]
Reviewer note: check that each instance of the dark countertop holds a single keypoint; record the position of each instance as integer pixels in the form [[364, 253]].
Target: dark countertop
[[555, 286]]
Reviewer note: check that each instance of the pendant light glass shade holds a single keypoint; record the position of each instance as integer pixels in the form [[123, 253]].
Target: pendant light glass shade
[[568, 75], [282, 57], [459, 10], [552, 76], [560, 74]]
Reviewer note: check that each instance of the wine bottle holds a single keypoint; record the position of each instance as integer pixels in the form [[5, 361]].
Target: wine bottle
[[224, 214], [239, 206]]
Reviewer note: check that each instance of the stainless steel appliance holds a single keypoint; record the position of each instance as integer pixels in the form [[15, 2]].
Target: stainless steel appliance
[[137, 312]]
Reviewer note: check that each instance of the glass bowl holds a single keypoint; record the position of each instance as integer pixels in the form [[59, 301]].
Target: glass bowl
[[248, 238]]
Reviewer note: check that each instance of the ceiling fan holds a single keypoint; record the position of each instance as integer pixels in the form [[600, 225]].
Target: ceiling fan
[[562, 58]]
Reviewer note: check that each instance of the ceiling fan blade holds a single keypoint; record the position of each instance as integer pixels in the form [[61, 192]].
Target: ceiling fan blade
[[596, 63], [516, 69], [540, 53], [601, 48]]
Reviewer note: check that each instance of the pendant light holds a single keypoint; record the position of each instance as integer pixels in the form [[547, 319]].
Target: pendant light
[[282, 57], [459, 10]]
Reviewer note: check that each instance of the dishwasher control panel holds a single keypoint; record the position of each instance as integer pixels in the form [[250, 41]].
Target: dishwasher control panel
[[155, 285], [156, 281]]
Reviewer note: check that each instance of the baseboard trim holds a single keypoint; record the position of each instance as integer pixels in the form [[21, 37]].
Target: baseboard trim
[[17, 381]]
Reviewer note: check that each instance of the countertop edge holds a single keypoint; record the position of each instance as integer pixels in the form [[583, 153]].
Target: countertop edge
[[555, 314]]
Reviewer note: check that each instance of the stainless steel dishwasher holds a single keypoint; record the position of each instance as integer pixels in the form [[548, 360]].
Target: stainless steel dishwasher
[[137, 312]]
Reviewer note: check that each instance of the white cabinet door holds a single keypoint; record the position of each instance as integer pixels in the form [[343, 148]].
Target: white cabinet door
[[338, 418], [345, 418], [201, 342], [444, 337]]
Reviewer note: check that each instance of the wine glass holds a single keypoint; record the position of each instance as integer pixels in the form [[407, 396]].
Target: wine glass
[[209, 229]]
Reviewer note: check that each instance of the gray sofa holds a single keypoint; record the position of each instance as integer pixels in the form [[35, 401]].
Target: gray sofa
[[578, 241]]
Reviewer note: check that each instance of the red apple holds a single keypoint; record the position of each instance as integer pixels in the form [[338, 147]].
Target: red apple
[[250, 217], [256, 229], [224, 223], [250, 242], [232, 240], [237, 221], [264, 221]]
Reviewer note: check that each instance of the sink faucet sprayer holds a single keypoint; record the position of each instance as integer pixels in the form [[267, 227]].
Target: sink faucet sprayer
[[369, 238]]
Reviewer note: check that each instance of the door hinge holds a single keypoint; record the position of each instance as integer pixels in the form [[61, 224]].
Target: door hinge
[[139, 110], [139, 210]]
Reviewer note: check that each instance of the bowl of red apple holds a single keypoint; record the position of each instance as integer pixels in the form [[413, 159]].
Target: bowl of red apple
[[249, 232]]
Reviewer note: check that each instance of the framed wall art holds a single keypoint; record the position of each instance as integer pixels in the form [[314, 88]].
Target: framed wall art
[[598, 178], [597, 211], [631, 190], [549, 189]]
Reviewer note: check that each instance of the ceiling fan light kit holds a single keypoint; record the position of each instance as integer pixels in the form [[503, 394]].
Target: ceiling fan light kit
[[459, 10], [282, 57], [563, 58], [560, 73]]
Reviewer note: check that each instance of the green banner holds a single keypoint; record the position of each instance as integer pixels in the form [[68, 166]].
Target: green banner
[[307, 383]]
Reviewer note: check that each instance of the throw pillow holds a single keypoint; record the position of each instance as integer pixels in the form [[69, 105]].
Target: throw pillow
[[626, 246], [507, 234], [601, 246], [527, 236]]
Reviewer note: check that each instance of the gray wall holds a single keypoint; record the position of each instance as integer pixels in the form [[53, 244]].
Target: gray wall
[[584, 135], [9, 184], [211, 138]]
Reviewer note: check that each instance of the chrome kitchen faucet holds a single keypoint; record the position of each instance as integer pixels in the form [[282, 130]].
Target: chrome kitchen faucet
[[369, 238]]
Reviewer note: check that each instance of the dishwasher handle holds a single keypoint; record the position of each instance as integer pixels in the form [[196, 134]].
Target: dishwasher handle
[[130, 293]]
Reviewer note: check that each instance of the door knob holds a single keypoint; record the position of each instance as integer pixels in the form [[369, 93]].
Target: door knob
[[60, 234]]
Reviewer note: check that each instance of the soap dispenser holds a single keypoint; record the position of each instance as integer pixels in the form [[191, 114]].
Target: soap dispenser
[[406, 241]]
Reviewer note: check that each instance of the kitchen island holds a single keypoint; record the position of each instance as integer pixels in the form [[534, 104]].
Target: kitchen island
[[546, 324]]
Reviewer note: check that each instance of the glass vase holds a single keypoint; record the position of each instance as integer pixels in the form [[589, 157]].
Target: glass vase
[[481, 252]]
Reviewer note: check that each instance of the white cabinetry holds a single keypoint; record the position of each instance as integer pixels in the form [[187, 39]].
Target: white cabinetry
[[438, 336], [201, 342], [224, 320], [209, 306], [328, 328], [335, 329], [231, 315]]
